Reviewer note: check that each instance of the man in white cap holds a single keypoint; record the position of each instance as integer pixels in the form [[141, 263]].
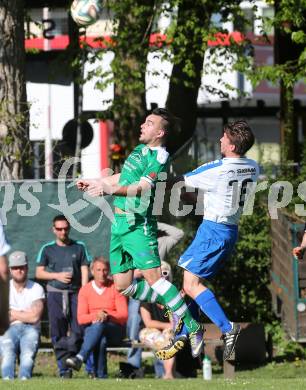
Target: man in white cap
[[4, 288], [25, 311]]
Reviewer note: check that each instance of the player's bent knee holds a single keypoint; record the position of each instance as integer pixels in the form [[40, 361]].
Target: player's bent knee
[[189, 289], [120, 288]]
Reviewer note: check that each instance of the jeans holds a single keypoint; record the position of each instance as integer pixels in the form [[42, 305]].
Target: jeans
[[89, 367], [133, 324], [96, 338], [159, 368], [19, 339]]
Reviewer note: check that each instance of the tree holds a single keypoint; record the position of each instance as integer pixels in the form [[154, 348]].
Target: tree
[[193, 30], [290, 39], [186, 74], [289, 23], [13, 101], [130, 42], [185, 46]]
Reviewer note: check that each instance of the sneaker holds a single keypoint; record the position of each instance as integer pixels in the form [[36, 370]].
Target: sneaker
[[176, 320], [127, 370], [66, 375], [177, 323], [74, 362], [172, 349], [230, 339], [196, 341]]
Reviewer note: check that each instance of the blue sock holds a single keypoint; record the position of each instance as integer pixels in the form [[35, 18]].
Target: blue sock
[[194, 311], [209, 306]]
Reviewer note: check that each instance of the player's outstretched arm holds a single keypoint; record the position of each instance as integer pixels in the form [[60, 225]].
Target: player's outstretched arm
[[82, 184], [135, 189], [105, 186], [298, 251], [4, 272], [98, 187], [111, 180]]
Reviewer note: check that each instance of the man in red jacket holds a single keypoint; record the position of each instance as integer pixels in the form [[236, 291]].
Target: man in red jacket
[[104, 312]]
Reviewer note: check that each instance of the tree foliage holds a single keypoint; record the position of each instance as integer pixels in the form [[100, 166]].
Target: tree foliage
[[185, 46], [187, 54], [193, 58], [132, 22], [289, 23], [133, 26]]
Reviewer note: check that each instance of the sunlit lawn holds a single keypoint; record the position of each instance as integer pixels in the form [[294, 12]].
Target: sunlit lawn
[[276, 376]]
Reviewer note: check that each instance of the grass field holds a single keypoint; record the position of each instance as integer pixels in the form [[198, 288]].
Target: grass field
[[178, 384], [275, 376]]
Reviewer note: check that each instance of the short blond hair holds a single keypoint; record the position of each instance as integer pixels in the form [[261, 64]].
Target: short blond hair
[[99, 259]]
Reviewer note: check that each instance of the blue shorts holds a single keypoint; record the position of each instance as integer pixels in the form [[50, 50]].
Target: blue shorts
[[210, 248]]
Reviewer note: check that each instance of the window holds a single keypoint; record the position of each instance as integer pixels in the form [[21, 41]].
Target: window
[[245, 22], [267, 14]]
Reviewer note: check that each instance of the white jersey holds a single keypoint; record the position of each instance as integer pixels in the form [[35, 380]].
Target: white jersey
[[4, 246], [226, 184]]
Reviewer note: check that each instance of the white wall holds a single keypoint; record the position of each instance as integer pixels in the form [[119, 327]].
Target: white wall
[[91, 155], [60, 100]]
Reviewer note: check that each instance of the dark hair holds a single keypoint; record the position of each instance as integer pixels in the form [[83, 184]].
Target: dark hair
[[60, 218], [240, 135], [168, 120]]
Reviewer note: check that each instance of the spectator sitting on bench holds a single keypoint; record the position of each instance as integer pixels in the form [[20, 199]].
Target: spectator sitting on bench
[[26, 307], [104, 311]]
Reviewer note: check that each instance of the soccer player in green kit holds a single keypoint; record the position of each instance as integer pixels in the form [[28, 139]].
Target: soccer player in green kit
[[134, 232]]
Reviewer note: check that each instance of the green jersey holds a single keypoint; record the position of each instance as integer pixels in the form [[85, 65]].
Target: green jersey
[[143, 163]]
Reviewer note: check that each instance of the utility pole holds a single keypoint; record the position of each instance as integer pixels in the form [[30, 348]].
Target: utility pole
[[48, 134]]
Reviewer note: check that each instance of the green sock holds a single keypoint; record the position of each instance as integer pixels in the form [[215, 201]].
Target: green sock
[[143, 292], [166, 294], [175, 302]]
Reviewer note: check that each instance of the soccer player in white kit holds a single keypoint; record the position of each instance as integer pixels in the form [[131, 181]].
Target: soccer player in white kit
[[226, 184]]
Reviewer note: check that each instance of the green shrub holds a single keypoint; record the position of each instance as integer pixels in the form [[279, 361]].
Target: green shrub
[[284, 348]]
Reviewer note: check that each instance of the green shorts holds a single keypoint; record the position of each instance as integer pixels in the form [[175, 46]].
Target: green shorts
[[133, 245]]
